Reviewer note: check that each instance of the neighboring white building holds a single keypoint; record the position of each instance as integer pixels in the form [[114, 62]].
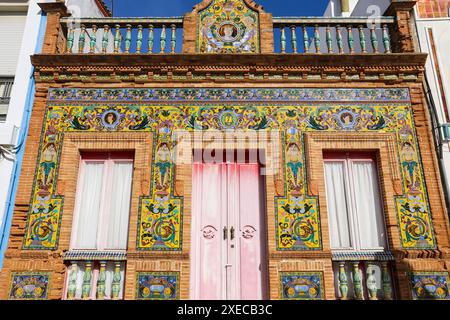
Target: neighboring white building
[[21, 25], [356, 8], [433, 29]]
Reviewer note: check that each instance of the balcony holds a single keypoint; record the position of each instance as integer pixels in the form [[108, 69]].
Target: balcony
[[298, 35], [363, 276], [181, 49], [264, 34], [94, 275]]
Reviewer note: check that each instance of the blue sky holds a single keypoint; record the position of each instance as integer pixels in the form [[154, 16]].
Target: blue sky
[[159, 8]]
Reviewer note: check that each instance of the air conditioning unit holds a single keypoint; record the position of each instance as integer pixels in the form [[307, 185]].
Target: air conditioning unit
[[8, 134]]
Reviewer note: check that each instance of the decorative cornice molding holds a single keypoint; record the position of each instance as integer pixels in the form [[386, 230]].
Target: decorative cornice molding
[[109, 68], [394, 60]]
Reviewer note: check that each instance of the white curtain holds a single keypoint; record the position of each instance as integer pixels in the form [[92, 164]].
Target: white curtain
[[88, 206], [116, 218], [368, 205], [337, 205]]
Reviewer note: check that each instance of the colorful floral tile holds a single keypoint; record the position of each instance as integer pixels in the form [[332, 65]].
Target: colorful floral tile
[[301, 286], [430, 286], [157, 286], [29, 286]]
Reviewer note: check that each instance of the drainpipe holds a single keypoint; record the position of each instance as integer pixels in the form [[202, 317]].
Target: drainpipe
[[20, 149]]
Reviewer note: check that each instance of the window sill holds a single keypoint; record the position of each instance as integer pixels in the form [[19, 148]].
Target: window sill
[[93, 255], [363, 256]]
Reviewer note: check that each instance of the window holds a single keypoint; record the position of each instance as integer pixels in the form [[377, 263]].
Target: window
[[103, 202], [5, 96], [355, 209]]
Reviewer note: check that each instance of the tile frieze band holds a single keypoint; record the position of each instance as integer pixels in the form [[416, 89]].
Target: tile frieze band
[[231, 95]]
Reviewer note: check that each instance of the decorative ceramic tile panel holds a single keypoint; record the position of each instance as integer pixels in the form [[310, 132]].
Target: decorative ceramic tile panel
[[228, 26], [292, 112], [430, 286], [29, 286], [157, 286], [301, 286]]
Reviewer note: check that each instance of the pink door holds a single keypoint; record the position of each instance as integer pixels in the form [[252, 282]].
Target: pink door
[[228, 248]]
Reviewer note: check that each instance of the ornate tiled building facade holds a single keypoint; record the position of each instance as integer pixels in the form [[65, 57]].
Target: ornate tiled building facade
[[293, 107]]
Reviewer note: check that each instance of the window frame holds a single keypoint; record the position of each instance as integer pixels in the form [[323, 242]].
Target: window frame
[[108, 159], [349, 159]]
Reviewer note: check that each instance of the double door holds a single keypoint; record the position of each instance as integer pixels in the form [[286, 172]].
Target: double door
[[228, 251]]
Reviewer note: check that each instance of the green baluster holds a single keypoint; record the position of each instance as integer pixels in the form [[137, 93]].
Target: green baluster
[[386, 280], [139, 39], [350, 39], [386, 39], [362, 39], [343, 281], [116, 281], [151, 37], [317, 38], [371, 282], [128, 39], [117, 39], [357, 284], [93, 41], [173, 38], [294, 39], [86, 288], [340, 42], [329, 40], [101, 283], [283, 40], [70, 39], [163, 39], [82, 39], [305, 39], [373, 39], [105, 39], [72, 287]]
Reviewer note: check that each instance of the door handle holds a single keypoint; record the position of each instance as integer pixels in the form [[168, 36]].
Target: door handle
[[232, 233], [225, 233]]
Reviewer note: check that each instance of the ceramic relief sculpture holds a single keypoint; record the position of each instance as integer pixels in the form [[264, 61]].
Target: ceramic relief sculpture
[[292, 112], [228, 26]]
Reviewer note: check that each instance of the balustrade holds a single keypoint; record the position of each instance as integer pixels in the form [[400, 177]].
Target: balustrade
[[314, 35], [334, 35], [95, 280], [123, 35], [363, 280]]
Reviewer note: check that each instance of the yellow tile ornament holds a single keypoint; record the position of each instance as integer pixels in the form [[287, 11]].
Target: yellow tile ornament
[[289, 111]]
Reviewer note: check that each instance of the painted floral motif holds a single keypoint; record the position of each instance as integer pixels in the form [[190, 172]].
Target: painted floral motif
[[161, 214], [430, 286], [228, 26], [29, 286], [302, 286], [157, 286], [230, 95]]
